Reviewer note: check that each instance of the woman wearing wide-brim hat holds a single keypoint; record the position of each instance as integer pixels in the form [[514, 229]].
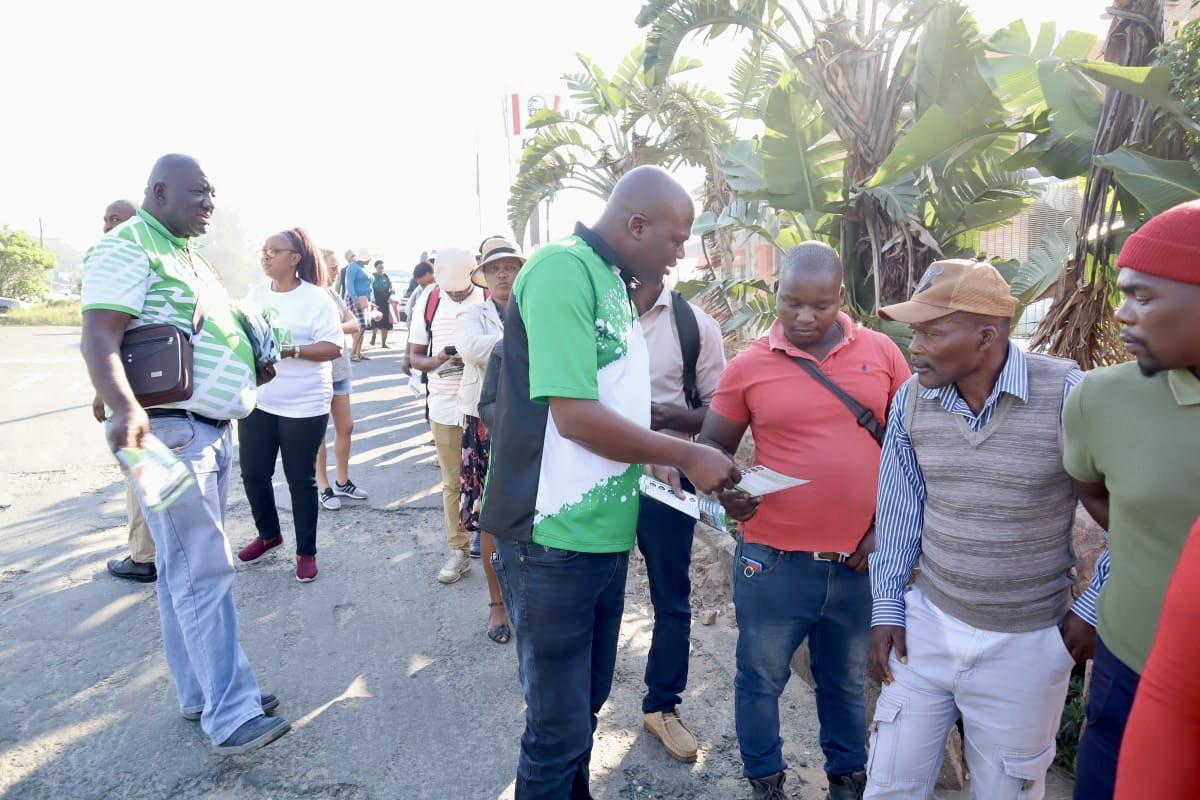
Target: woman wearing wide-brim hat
[[477, 331]]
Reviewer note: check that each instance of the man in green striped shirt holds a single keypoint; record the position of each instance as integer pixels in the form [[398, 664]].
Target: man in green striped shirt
[[147, 271]]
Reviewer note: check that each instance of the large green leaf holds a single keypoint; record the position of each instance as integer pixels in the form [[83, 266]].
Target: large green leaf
[[802, 157], [947, 74], [744, 167], [936, 133], [899, 198], [1045, 264], [1152, 84], [671, 22], [1075, 102], [1158, 184], [973, 196]]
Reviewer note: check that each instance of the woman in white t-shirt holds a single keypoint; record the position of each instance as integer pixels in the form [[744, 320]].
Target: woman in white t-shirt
[[293, 408]]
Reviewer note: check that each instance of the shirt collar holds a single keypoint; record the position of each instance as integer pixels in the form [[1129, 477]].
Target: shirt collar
[[777, 340], [1185, 386], [597, 243], [150, 220], [1013, 379]]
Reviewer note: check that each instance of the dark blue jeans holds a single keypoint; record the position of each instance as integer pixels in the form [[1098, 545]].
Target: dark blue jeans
[[1109, 703], [566, 612], [791, 598], [664, 536]]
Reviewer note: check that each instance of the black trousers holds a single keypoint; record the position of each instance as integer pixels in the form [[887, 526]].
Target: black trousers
[[262, 436]]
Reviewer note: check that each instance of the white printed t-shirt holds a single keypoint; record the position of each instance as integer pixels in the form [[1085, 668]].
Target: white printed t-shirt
[[443, 392], [305, 315]]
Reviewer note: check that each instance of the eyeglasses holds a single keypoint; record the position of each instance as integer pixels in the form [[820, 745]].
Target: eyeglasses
[[271, 252]]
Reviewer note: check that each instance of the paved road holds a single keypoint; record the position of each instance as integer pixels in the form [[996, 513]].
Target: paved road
[[393, 687]]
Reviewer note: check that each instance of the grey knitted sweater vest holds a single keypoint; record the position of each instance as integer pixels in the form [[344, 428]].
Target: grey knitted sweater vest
[[996, 548]]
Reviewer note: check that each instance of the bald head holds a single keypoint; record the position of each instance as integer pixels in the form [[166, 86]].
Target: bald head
[[117, 212], [813, 260], [647, 221], [809, 294], [179, 195]]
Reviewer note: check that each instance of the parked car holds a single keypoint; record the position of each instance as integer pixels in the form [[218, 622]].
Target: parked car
[[8, 303]]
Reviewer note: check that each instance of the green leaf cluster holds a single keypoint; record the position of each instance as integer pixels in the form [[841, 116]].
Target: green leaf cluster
[[24, 266]]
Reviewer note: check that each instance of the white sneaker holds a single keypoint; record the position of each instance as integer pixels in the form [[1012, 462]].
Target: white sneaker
[[330, 501], [348, 489], [455, 567]]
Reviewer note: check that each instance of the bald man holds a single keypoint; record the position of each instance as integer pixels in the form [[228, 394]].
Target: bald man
[[801, 561], [574, 400], [144, 272], [117, 212], [139, 564]]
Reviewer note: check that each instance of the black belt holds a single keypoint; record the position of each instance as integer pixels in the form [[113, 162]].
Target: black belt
[[158, 413]]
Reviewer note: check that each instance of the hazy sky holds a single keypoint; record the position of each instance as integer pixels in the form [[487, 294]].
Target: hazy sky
[[359, 120]]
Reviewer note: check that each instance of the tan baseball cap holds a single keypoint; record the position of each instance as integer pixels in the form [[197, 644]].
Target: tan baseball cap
[[956, 284]]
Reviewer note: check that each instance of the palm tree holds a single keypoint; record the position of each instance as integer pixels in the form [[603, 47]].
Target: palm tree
[[621, 123], [883, 136]]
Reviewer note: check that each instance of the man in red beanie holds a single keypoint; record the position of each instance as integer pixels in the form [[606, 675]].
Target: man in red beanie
[[1132, 446]]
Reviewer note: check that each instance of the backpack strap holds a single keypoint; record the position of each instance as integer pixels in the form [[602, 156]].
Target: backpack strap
[[431, 305], [689, 346]]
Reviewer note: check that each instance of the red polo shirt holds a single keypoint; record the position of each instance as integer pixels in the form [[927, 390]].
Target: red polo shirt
[[801, 429]]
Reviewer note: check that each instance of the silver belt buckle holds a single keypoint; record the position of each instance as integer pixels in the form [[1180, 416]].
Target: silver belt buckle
[[841, 558]]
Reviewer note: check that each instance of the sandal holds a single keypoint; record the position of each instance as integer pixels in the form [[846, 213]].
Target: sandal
[[500, 634]]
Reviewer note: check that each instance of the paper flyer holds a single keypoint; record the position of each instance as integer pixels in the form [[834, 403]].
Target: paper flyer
[[758, 481]]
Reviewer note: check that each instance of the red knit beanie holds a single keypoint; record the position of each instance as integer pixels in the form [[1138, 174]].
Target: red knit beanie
[[1168, 246]]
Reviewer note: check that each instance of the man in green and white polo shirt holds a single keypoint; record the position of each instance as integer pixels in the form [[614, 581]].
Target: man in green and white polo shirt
[[572, 431], [143, 272]]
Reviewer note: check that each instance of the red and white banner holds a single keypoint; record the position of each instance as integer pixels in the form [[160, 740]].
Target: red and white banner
[[520, 107]]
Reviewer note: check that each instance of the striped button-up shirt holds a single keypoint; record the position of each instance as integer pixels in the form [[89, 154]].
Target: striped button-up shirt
[[900, 516]]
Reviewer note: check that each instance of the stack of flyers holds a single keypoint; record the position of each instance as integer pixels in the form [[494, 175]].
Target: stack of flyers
[[699, 507], [158, 477]]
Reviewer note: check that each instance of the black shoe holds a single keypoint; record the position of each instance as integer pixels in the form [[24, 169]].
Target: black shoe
[[131, 570], [768, 788], [475, 545], [847, 787]]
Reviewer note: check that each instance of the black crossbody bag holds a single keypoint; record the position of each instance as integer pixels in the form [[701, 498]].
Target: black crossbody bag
[[863, 415]]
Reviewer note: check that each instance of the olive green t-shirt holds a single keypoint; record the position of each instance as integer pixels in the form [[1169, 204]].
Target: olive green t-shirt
[[1141, 437]]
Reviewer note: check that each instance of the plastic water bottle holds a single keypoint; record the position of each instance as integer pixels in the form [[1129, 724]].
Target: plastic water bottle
[[158, 477]]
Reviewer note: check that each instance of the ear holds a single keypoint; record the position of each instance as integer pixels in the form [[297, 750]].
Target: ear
[[637, 226], [159, 190], [988, 336]]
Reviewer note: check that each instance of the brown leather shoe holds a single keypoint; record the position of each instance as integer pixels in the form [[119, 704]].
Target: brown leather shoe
[[670, 730]]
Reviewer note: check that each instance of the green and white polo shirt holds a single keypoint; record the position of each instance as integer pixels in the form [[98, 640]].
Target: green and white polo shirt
[[142, 269], [570, 331]]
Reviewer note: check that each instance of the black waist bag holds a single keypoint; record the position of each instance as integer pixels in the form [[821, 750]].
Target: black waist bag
[[158, 364]]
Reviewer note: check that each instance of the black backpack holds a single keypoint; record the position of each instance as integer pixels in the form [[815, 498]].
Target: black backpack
[[689, 345]]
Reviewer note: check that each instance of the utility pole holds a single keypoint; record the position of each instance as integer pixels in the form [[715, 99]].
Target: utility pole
[[41, 240]]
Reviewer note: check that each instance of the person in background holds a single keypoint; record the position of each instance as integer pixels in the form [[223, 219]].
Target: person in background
[[422, 279], [431, 349], [139, 564], [1162, 736], [381, 289], [339, 409], [680, 391], [1131, 436], [358, 298], [801, 559], [293, 408], [477, 331], [147, 272]]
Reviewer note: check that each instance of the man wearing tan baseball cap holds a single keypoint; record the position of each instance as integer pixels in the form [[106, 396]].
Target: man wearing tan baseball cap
[[971, 482]]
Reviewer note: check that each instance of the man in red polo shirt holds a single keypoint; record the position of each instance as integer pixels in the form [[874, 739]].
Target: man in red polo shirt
[[800, 566]]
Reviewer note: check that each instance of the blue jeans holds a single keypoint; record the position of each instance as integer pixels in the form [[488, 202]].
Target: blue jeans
[[1109, 704], [566, 612], [791, 598], [664, 536], [195, 584]]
